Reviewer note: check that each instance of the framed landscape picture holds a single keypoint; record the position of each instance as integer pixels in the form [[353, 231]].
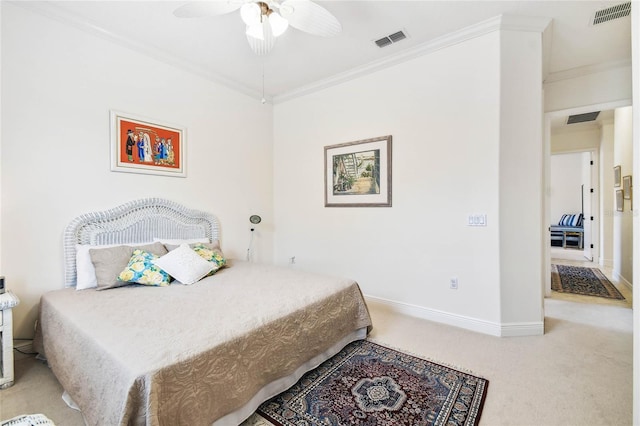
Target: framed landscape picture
[[358, 174], [626, 187], [619, 200], [143, 145], [616, 176]]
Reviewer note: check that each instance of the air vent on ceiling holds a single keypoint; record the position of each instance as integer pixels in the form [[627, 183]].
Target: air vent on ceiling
[[391, 38], [581, 118], [610, 13]]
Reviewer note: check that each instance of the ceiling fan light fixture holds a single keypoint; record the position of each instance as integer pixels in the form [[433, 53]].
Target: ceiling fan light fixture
[[255, 31], [262, 46], [251, 14], [278, 24], [267, 19]]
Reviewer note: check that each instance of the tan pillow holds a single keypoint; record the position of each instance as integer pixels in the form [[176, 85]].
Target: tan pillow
[[109, 262]]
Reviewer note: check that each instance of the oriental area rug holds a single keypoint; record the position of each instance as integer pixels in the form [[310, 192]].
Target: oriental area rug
[[585, 281], [368, 384]]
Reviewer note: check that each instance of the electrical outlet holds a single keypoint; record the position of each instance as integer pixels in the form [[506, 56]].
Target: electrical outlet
[[453, 283]]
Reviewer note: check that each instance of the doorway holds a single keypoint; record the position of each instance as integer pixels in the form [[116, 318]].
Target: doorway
[[595, 140], [587, 155], [574, 191]]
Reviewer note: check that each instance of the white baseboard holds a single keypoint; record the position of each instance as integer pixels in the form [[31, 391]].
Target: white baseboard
[[623, 280], [468, 323], [607, 263], [519, 329]]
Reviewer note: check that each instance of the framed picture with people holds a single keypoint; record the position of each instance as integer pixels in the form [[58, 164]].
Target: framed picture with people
[[148, 146]]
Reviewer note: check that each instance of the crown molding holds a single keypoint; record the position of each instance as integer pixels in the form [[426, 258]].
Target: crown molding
[[500, 22], [524, 23], [587, 70], [51, 11]]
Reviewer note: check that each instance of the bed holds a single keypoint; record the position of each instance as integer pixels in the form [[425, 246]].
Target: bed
[[200, 354]]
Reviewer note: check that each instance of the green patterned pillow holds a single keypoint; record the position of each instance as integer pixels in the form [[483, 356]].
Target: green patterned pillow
[[141, 270], [211, 253]]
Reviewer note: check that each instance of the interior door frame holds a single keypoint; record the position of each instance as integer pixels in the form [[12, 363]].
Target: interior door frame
[[548, 116], [593, 237]]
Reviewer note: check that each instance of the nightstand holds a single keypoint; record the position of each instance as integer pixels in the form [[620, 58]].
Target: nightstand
[[8, 301]]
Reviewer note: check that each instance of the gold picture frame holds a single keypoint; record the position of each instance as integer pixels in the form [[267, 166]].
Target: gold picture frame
[[617, 174], [626, 186], [619, 200]]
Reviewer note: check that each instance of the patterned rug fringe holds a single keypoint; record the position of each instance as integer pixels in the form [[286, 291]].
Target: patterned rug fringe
[[426, 358]]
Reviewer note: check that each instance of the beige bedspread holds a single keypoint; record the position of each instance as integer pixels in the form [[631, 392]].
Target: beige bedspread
[[188, 355]]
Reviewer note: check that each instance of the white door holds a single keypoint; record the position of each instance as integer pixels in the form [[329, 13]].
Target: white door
[[587, 197]]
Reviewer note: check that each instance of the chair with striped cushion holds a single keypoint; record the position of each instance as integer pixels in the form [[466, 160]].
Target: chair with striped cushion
[[568, 223]]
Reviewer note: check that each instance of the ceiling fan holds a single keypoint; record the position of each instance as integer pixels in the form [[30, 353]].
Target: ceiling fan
[[268, 19]]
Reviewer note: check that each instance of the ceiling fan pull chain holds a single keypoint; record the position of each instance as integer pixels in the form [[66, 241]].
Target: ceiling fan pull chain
[[264, 101]]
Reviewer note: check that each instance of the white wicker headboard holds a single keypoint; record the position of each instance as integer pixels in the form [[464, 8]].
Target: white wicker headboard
[[135, 222]]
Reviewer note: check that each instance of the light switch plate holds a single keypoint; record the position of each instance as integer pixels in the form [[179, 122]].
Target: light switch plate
[[477, 219]]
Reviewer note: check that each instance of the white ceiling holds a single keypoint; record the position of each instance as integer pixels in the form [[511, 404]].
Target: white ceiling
[[216, 47]]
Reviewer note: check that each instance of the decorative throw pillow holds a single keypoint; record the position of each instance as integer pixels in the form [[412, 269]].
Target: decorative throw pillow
[[566, 220], [184, 264], [571, 220], [211, 253], [142, 270], [109, 262]]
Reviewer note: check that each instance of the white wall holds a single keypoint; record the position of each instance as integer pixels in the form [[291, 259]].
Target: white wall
[[635, 44], [571, 139], [580, 139], [1, 19], [566, 185], [58, 85], [443, 111], [521, 196], [607, 85], [623, 221], [607, 196]]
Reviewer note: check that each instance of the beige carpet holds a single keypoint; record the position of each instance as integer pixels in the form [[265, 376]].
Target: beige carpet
[[578, 373]]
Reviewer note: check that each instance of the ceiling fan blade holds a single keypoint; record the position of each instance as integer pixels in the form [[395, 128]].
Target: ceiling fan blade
[[199, 9], [310, 17], [262, 46]]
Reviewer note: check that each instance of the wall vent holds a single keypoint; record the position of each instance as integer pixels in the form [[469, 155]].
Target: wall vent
[[610, 13], [390, 39], [581, 118]]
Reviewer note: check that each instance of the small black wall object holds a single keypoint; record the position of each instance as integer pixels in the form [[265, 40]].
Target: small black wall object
[[1, 284]]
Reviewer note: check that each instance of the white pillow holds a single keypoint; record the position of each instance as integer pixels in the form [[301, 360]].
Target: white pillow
[[85, 271], [179, 241], [184, 264]]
